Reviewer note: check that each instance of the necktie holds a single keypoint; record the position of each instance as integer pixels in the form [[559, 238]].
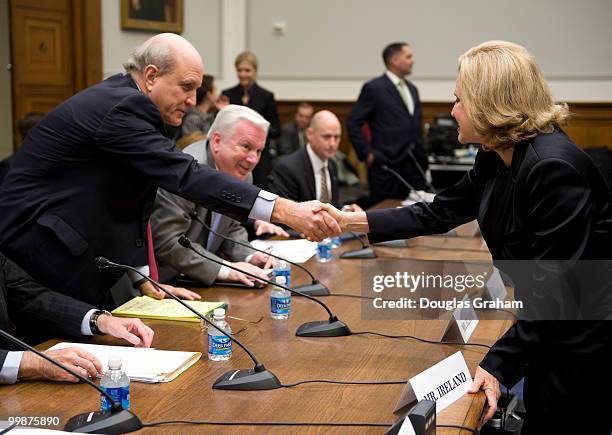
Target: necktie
[[214, 225], [153, 274], [324, 189], [401, 87]]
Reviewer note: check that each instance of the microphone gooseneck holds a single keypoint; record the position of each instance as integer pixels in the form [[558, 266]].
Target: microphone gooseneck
[[331, 328]]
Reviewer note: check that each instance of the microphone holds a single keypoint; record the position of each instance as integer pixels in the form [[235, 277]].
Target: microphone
[[409, 186], [259, 378], [323, 328], [364, 252], [418, 166], [316, 288], [115, 421]]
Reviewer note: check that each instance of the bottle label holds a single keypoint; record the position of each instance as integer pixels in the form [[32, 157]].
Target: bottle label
[[324, 251], [219, 345], [120, 395], [280, 305]]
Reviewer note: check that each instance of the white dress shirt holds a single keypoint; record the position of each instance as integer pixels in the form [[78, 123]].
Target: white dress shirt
[[396, 82], [318, 163]]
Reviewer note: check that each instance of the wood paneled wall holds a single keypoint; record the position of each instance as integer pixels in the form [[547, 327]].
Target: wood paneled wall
[[590, 125]]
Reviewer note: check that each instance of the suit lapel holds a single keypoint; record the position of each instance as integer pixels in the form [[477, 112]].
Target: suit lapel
[[394, 94], [310, 179]]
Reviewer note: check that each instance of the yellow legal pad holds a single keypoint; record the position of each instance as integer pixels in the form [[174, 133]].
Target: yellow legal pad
[[165, 309]]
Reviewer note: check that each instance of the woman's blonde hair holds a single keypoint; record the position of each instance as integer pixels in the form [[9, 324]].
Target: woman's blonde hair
[[505, 95], [248, 57]]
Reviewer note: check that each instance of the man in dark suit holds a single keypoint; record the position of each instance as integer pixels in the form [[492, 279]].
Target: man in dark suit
[[391, 108], [248, 93], [293, 133], [310, 173], [84, 181], [25, 302]]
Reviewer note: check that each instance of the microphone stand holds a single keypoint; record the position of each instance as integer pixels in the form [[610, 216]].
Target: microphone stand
[[364, 252], [258, 378], [323, 328], [315, 288], [115, 421]]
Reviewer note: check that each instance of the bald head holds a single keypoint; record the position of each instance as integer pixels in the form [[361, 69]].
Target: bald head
[[324, 134], [163, 51], [168, 69]]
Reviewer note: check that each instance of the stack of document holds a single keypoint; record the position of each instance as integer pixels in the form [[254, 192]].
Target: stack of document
[[145, 307], [298, 251], [142, 364]]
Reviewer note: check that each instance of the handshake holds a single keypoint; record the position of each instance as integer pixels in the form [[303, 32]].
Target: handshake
[[317, 221]]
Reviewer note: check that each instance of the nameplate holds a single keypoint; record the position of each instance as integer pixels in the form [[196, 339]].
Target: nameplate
[[495, 286], [444, 382], [466, 319]]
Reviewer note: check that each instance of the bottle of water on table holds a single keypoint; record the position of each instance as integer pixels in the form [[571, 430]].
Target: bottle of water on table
[[280, 300], [324, 253], [116, 383], [219, 345]]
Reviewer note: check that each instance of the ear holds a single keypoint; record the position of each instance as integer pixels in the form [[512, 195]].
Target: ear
[[150, 75], [215, 142], [309, 134]]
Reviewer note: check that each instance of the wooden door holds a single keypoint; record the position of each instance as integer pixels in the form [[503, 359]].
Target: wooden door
[[56, 51]]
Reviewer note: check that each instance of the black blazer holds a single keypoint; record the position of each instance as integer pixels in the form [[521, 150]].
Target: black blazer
[[260, 100], [289, 139], [394, 130], [83, 185], [557, 207], [293, 178], [27, 304]]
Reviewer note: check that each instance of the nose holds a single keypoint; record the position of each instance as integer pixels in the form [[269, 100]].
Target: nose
[[252, 157], [191, 99]]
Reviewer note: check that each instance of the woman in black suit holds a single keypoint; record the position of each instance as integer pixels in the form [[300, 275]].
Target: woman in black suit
[[536, 196], [248, 93]]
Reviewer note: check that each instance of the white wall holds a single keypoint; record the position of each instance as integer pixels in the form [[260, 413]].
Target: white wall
[[330, 47]]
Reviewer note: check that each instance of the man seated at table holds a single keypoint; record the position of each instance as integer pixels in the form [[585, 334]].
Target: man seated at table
[[234, 145], [310, 172], [24, 301]]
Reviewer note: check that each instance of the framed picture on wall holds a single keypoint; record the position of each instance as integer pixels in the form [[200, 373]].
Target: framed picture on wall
[[152, 15]]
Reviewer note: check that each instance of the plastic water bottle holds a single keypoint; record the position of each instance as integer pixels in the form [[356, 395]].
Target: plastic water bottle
[[280, 300], [324, 253], [116, 383], [336, 242], [219, 345], [283, 268]]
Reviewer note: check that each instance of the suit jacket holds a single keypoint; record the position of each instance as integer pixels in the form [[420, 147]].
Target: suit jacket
[[84, 182], [556, 206], [290, 139], [293, 178], [26, 303], [396, 138], [173, 216]]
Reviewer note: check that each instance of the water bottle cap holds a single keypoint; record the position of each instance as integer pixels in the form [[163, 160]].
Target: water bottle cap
[[114, 362], [280, 279], [219, 313]]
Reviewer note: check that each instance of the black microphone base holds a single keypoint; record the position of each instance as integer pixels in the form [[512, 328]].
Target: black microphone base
[[247, 380], [105, 422], [317, 289], [359, 253], [323, 328]]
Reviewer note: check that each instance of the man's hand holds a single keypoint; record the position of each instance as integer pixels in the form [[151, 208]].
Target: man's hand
[[236, 276], [131, 330], [483, 380], [307, 218], [348, 221], [150, 290], [84, 363], [263, 261], [263, 227]]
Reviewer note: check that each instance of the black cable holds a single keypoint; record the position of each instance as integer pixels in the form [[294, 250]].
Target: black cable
[[346, 295], [263, 423], [421, 339], [345, 382], [456, 426]]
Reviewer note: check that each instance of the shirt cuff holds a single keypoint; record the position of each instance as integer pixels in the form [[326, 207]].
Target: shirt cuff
[[85, 328], [248, 258], [134, 277], [10, 368], [223, 273], [263, 206]]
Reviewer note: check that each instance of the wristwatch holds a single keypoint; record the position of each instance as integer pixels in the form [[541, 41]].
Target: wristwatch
[[93, 321]]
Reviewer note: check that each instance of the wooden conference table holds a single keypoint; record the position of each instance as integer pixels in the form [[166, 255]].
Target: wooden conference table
[[291, 358]]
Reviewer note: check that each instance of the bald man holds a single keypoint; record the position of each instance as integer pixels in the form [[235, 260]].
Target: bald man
[[84, 182], [310, 173]]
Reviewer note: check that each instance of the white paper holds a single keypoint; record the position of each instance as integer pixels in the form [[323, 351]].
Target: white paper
[[407, 428], [140, 364], [466, 319], [444, 382], [298, 251], [495, 286]]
